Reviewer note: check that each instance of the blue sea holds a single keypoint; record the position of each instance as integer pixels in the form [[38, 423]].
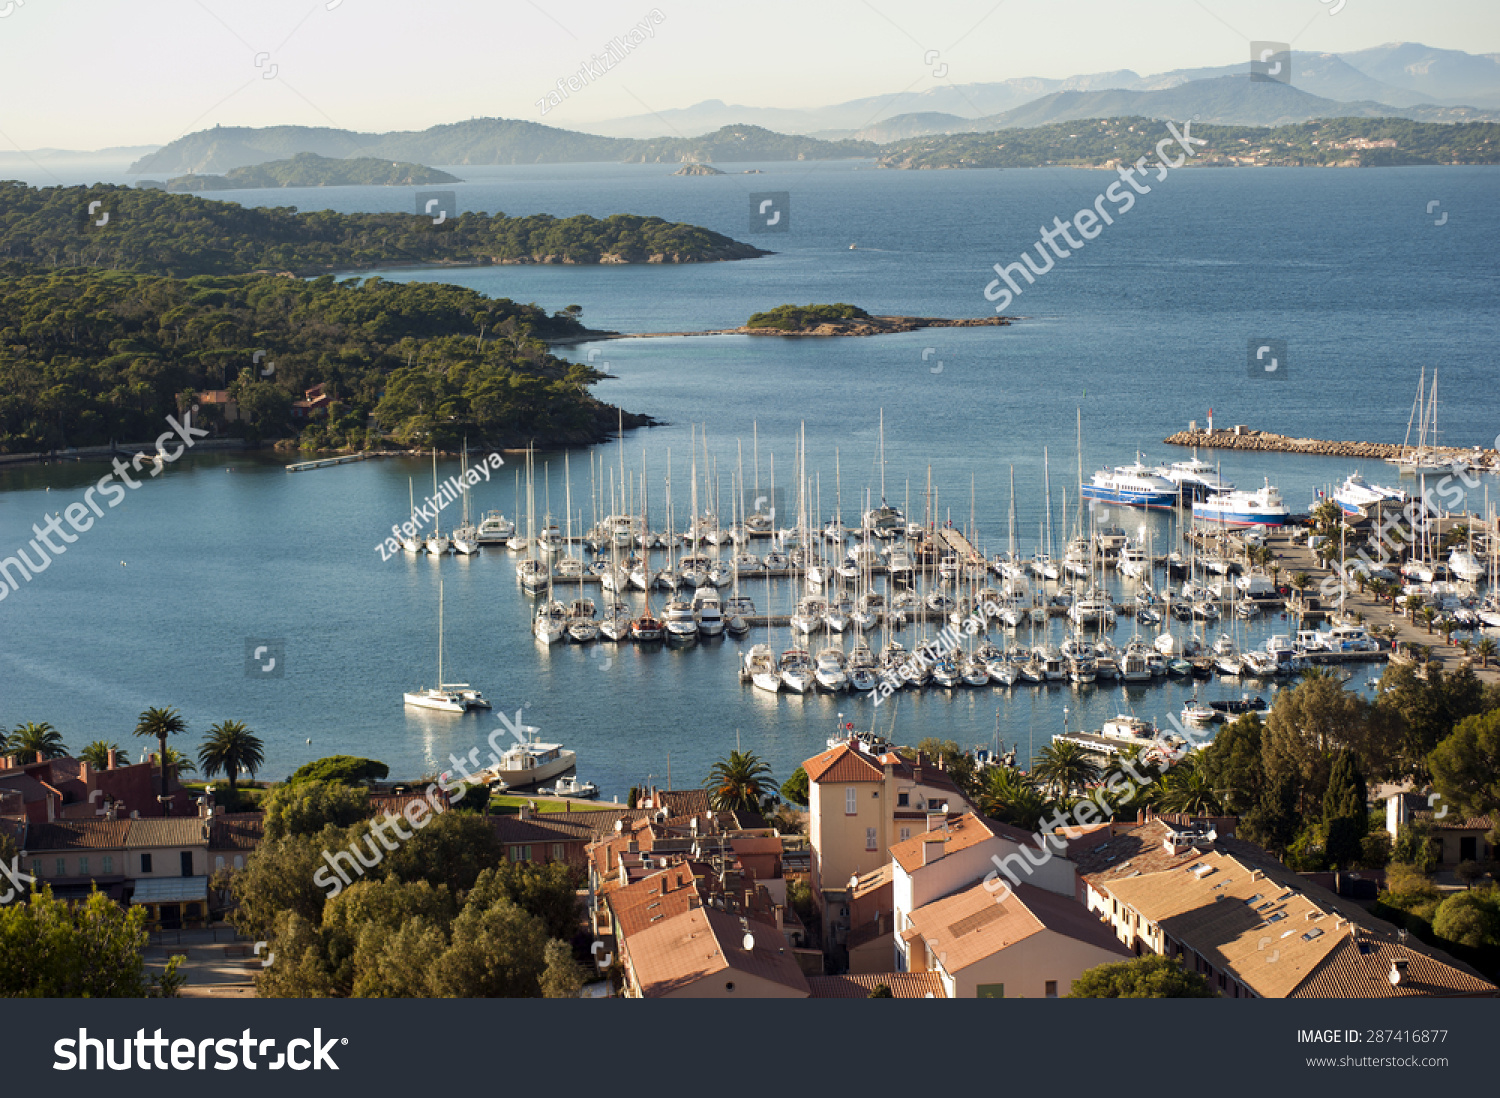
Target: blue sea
[[1144, 329]]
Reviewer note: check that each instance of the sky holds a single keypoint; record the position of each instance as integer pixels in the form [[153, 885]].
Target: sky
[[89, 74]]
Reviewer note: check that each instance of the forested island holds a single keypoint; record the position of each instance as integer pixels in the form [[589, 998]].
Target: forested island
[[849, 320], [87, 357], [153, 232], [309, 170], [1106, 142]]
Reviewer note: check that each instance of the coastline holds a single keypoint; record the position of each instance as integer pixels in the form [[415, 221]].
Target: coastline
[[831, 329]]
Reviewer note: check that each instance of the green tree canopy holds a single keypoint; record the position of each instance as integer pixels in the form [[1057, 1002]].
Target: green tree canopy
[[740, 781], [231, 749], [349, 769], [51, 949], [32, 739], [308, 807], [1142, 978]]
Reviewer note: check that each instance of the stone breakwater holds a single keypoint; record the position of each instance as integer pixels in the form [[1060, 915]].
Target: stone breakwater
[[1243, 438]]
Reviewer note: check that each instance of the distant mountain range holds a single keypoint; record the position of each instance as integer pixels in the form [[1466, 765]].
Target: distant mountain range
[[1382, 81]]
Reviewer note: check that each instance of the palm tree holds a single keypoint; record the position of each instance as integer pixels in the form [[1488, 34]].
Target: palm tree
[[231, 749], [1413, 604], [1300, 583], [1484, 648], [161, 723], [30, 740], [1011, 797], [180, 763], [740, 781], [1446, 627], [96, 754], [1185, 790], [1067, 766], [1429, 615]]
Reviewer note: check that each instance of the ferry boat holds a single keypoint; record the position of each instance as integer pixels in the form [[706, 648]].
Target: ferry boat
[[1354, 495], [1131, 486], [1194, 479], [1262, 507]]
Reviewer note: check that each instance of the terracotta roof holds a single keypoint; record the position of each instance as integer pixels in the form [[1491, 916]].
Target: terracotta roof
[[872, 881], [960, 834], [170, 831], [77, 835], [236, 831], [864, 933], [703, 943], [843, 764], [651, 900], [540, 829], [976, 923], [687, 802], [903, 985], [1456, 823], [1274, 931]]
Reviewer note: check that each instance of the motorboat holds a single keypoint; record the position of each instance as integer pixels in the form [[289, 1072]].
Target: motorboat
[[681, 623], [494, 529], [569, 786], [830, 670], [1131, 486], [1262, 507], [797, 670], [709, 612], [530, 762]]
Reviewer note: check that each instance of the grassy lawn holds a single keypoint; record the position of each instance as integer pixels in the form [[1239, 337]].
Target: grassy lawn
[[504, 805]]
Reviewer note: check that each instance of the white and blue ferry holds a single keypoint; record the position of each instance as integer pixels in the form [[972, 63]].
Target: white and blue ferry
[[1262, 507], [1132, 486]]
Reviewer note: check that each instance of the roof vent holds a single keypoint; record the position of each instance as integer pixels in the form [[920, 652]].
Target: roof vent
[[1398, 971]]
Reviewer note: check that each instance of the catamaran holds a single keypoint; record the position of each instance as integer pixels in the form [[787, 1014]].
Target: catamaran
[[449, 697]]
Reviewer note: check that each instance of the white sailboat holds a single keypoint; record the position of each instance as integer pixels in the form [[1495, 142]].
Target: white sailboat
[[449, 697], [437, 543]]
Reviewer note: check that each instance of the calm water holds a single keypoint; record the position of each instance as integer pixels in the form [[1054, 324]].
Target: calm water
[[1144, 329]]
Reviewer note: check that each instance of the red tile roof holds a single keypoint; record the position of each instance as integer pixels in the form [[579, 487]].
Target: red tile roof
[[903, 985], [706, 944], [843, 764]]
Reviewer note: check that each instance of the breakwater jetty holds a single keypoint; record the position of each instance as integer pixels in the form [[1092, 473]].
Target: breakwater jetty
[[1242, 437]]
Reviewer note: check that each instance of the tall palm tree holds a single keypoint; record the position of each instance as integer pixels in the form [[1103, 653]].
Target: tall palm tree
[[30, 739], [739, 781], [96, 754], [1067, 766], [1429, 615], [232, 749], [160, 723], [1484, 648], [1011, 797]]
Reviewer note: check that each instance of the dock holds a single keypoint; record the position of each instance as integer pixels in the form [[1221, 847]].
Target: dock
[[1242, 437], [346, 459]]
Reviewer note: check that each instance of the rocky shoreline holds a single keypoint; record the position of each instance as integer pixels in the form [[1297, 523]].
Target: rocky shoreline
[[863, 326], [1244, 438]]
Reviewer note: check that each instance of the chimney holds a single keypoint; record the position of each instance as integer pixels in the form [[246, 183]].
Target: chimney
[[114, 759], [932, 850], [41, 758], [524, 812], [779, 911], [937, 821]]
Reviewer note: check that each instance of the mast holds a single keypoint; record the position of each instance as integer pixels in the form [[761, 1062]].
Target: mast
[[440, 633], [1011, 539], [1047, 488]]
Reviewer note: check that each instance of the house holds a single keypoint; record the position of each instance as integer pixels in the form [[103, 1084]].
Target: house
[[860, 805], [702, 953], [232, 838], [1250, 925], [314, 401], [902, 985], [872, 940], [162, 864], [543, 838], [1455, 838], [217, 403], [1021, 942], [68, 788]]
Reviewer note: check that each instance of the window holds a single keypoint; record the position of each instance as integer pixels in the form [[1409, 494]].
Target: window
[[520, 853], [851, 802], [903, 799], [1052, 989], [36, 867], [62, 867], [83, 865], [559, 852], [239, 861], [185, 858], [870, 843], [145, 863], [990, 991], [905, 834], [109, 864], [218, 862]]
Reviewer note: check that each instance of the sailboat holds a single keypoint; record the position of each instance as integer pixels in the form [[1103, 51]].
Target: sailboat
[[410, 542], [533, 573], [465, 537], [437, 543], [884, 521], [449, 697], [1424, 457]]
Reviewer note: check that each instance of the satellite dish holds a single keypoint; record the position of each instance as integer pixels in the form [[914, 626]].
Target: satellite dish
[[749, 943], [620, 825]]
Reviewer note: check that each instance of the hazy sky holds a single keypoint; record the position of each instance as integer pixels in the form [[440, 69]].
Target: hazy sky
[[85, 74]]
